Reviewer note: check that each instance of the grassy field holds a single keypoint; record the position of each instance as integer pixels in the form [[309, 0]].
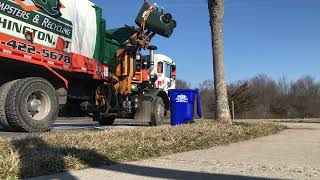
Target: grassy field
[[50, 153]]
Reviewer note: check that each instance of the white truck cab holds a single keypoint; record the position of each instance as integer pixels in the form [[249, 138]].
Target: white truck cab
[[165, 72]]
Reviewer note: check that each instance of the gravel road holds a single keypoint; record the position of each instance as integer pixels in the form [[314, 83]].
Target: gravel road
[[292, 154]]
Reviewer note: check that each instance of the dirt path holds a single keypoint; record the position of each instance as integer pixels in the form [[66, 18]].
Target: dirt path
[[292, 154]]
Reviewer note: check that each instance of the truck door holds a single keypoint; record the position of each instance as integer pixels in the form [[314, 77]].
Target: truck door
[[169, 81], [160, 74]]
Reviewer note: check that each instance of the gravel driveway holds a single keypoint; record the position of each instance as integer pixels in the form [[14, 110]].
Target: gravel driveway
[[292, 154]]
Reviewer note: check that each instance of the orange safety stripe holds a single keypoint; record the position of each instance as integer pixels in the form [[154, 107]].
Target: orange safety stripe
[[76, 63]]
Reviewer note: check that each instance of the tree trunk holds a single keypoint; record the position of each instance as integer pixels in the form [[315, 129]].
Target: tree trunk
[[216, 12]]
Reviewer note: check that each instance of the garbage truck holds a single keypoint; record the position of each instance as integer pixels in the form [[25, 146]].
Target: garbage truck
[[57, 52]]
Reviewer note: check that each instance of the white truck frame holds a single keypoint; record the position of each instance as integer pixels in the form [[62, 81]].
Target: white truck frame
[[165, 71]]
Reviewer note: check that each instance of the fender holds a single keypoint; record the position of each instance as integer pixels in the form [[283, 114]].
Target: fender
[[160, 93], [66, 83], [62, 92], [10, 66], [144, 112]]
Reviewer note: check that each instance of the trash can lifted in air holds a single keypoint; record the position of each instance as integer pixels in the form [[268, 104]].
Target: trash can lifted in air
[[182, 105]]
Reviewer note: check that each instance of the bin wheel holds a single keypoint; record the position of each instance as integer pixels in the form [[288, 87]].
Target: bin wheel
[[167, 18], [32, 105], [157, 112]]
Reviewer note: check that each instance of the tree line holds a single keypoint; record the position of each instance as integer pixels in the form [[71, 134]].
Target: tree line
[[262, 97]]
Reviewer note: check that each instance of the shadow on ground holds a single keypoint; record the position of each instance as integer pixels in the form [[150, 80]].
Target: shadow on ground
[[39, 158]]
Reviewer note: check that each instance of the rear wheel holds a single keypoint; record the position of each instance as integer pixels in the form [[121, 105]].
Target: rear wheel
[[157, 112], [32, 105], [4, 90]]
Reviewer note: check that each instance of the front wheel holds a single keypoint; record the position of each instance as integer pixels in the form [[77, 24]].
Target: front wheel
[[157, 112], [32, 105]]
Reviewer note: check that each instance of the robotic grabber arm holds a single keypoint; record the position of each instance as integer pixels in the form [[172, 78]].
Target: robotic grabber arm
[[151, 21]]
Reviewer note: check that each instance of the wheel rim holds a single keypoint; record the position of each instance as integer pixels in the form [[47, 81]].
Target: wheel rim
[[38, 105], [160, 112]]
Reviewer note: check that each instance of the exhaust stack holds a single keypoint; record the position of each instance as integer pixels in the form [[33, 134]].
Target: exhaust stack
[[152, 49]]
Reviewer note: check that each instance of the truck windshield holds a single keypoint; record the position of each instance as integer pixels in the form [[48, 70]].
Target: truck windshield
[[168, 70]]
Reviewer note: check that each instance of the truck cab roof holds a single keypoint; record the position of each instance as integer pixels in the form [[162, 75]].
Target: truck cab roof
[[164, 58]]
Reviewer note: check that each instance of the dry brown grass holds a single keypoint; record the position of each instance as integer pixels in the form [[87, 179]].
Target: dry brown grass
[[50, 153]]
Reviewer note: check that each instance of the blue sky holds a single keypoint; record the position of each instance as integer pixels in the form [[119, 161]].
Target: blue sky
[[274, 37]]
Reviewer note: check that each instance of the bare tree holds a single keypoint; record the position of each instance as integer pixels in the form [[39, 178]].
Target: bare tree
[[304, 96], [265, 89], [240, 94], [262, 97], [216, 13], [207, 100], [181, 84]]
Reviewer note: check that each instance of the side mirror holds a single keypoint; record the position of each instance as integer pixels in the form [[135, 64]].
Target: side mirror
[[173, 72]]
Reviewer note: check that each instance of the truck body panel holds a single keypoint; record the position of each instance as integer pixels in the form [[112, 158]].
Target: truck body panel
[[73, 28]]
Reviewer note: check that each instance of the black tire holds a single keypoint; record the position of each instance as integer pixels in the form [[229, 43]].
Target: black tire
[[4, 90], [32, 105], [157, 112], [103, 121]]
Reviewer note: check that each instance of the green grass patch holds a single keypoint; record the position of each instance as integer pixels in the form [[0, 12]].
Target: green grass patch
[[54, 152]]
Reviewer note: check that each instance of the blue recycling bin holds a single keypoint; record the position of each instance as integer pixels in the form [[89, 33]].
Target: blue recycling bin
[[182, 105]]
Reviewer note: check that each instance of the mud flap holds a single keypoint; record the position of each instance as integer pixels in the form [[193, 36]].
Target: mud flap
[[143, 113]]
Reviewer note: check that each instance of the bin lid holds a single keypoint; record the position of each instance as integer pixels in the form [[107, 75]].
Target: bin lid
[[183, 90]]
